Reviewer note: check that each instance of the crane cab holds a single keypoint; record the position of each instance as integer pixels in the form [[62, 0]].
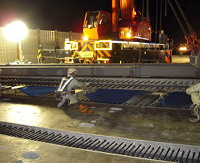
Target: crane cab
[[97, 25]]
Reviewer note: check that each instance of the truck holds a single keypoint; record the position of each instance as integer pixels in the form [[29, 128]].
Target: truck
[[123, 36]]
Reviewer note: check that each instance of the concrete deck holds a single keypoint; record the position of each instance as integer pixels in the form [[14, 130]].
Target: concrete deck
[[154, 124]]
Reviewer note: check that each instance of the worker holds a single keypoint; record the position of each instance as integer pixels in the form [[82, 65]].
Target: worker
[[66, 89], [194, 92]]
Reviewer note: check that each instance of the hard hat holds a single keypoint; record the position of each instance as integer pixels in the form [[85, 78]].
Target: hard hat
[[72, 70]]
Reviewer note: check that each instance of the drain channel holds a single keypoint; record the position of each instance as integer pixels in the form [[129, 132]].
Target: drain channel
[[136, 148]]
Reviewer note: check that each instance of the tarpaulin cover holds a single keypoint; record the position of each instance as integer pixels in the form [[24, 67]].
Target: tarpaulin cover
[[37, 91], [114, 96], [176, 100]]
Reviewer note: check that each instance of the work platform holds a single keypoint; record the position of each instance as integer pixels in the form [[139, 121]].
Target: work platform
[[145, 128], [115, 121]]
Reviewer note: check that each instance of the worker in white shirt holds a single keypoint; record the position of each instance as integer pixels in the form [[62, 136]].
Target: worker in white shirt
[[194, 92], [66, 89]]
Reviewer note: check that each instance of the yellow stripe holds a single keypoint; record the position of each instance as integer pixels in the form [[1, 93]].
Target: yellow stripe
[[40, 55], [107, 53], [84, 48], [90, 47], [74, 53]]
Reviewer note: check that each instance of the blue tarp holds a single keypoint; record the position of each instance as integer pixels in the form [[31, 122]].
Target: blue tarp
[[117, 96], [176, 100], [114, 96], [37, 91]]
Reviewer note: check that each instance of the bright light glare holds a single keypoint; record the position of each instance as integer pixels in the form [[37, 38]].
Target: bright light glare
[[183, 49], [128, 35], [85, 38], [15, 31]]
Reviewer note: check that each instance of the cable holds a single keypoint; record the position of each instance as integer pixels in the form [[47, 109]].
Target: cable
[[184, 17]]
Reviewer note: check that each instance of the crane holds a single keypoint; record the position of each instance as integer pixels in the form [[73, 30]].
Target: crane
[[123, 36], [128, 26]]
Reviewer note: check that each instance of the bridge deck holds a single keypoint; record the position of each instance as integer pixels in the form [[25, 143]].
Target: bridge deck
[[143, 123]]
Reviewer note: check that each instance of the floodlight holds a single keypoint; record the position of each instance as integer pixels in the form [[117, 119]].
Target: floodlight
[[15, 31]]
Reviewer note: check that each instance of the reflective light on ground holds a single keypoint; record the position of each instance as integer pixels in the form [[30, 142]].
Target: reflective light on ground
[[24, 114]]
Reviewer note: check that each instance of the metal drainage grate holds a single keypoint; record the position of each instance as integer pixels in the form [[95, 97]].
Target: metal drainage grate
[[136, 148]]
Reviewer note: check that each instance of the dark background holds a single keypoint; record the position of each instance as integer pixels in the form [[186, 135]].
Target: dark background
[[68, 15]]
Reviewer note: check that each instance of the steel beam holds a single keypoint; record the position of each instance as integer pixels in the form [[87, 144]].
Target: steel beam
[[104, 70]]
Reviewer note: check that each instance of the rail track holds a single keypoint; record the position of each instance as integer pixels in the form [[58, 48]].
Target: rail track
[[150, 84]]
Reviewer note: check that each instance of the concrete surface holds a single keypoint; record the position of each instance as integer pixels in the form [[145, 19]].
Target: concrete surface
[[155, 124], [14, 150], [180, 59]]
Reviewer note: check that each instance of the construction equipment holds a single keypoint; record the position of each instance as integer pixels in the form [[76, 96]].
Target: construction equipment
[[116, 38], [193, 43]]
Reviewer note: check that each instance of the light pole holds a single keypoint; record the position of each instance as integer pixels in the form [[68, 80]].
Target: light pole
[[15, 32]]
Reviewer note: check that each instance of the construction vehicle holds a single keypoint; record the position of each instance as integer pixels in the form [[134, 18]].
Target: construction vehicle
[[116, 38]]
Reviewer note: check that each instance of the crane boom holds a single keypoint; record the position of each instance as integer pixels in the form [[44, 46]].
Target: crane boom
[[126, 7], [184, 17]]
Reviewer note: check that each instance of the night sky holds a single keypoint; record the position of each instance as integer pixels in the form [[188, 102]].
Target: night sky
[[66, 15]]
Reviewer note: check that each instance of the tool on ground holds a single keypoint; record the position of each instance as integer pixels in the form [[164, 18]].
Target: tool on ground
[[85, 109]]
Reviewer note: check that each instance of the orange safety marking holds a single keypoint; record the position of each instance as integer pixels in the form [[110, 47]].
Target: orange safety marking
[[168, 56], [167, 59], [101, 54], [80, 60], [107, 53], [169, 52], [87, 59], [83, 60], [95, 55], [74, 53]]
